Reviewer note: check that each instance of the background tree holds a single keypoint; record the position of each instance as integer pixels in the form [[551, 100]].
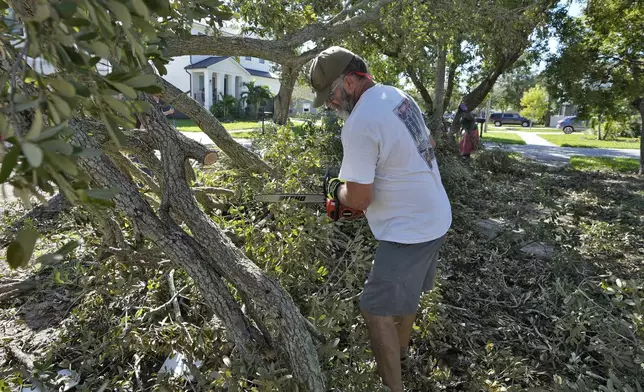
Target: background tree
[[437, 45], [534, 104], [256, 96], [511, 86], [602, 61]]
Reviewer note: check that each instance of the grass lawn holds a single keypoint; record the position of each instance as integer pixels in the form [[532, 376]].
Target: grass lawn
[[502, 137], [190, 126], [582, 140], [624, 165], [243, 135]]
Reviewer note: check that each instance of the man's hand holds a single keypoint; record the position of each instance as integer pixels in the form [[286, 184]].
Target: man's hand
[[331, 187]]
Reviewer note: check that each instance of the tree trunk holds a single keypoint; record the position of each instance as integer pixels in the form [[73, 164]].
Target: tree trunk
[[639, 104], [282, 102], [451, 76], [439, 92], [474, 98], [429, 103]]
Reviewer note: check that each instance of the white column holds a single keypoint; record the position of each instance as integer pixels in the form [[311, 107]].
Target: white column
[[207, 85], [220, 85], [231, 85]]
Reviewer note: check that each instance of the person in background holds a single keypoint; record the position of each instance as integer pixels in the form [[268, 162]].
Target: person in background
[[469, 133]]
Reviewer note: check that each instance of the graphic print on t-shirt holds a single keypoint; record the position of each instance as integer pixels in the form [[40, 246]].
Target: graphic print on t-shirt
[[411, 116]]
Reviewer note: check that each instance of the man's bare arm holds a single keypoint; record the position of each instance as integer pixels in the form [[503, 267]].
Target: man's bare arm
[[355, 195]]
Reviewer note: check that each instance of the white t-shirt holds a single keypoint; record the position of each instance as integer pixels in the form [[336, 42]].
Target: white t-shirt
[[386, 143]]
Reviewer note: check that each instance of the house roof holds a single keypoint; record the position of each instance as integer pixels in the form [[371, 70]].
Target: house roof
[[206, 62], [264, 74]]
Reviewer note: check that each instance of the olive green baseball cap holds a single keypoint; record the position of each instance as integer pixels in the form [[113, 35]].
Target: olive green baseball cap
[[325, 68]]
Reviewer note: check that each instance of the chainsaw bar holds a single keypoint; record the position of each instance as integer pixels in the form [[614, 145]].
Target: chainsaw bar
[[298, 197]]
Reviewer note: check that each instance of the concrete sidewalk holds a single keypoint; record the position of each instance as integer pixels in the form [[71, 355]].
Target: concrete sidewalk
[[556, 155], [534, 139]]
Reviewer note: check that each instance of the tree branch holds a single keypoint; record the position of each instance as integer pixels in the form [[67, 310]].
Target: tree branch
[[322, 30], [240, 155]]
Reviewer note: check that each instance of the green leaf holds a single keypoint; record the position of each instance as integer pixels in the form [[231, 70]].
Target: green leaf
[[121, 13], [43, 12], [87, 36], [116, 105], [141, 81], [125, 89], [140, 8], [63, 163], [62, 106], [15, 255], [18, 107], [102, 194], [63, 87], [66, 9], [81, 89], [50, 132], [9, 162], [87, 152], [36, 126], [100, 49], [27, 239], [33, 153], [57, 145]]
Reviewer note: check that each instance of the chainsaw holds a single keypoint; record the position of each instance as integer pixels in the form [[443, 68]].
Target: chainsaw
[[334, 209]]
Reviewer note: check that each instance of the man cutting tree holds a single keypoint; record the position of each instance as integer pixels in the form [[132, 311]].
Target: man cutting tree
[[389, 170]]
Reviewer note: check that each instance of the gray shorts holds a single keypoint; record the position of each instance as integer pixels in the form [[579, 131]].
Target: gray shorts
[[400, 274]]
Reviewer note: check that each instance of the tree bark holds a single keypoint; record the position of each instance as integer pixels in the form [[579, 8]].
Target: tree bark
[[451, 76], [223, 258], [439, 91], [241, 156], [283, 98], [639, 104], [429, 103]]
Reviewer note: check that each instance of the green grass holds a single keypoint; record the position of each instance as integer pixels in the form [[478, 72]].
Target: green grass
[[502, 137], [190, 126], [243, 135], [583, 140], [624, 165]]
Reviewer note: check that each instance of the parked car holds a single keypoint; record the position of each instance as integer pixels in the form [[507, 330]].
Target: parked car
[[570, 125], [499, 119]]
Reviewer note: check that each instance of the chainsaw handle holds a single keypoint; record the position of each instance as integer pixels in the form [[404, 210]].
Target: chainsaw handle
[[336, 211]]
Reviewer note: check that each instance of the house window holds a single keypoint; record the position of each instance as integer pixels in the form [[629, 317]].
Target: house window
[[306, 107], [261, 61], [248, 58]]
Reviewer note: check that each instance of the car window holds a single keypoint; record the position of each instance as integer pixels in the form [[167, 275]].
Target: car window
[[507, 115]]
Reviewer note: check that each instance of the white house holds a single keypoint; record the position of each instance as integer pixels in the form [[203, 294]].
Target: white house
[[208, 78]]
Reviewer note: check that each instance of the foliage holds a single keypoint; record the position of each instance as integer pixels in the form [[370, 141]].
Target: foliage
[[624, 165], [534, 103], [582, 140], [255, 96], [499, 319], [600, 66], [73, 44], [511, 86], [227, 108]]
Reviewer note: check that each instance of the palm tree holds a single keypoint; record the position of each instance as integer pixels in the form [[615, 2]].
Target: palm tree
[[228, 104], [256, 95]]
